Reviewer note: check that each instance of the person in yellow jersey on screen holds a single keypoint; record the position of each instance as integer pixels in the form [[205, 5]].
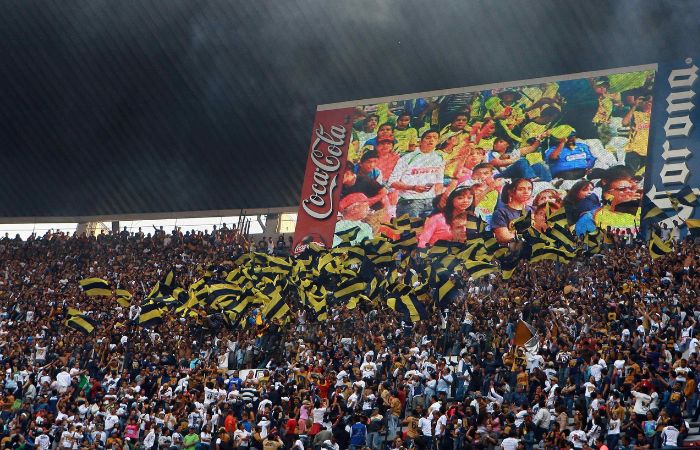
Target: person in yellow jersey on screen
[[639, 120], [454, 142], [504, 108], [405, 135], [486, 191], [621, 209], [366, 131]]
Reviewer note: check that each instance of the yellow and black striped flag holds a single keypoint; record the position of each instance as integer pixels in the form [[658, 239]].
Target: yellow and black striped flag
[[317, 299], [409, 305], [151, 314], [508, 266], [74, 312], [407, 241], [348, 236], [693, 226], [445, 291], [651, 211], [478, 269], [658, 247], [95, 287], [275, 309], [475, 225], [123, 297], [542, 251], [168, 284], [522, 223], [593, 242], [82, 323], [556, 216], [561, 236], [348, 289], [685, 196]]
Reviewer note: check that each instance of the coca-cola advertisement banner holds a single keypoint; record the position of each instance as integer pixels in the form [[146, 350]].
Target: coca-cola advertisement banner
[[320, 193]]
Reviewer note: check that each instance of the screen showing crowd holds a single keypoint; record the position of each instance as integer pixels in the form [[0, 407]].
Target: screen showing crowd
[[495, 155]]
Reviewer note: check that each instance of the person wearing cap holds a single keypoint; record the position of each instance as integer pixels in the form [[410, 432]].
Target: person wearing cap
[[504, 108], [353, 208], [569, 159], [418, 177]]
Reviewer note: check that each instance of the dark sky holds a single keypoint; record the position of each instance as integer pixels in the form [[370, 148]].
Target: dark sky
[[146, 106]]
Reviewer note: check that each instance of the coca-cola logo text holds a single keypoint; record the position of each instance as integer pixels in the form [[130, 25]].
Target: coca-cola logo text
[[325, 155]]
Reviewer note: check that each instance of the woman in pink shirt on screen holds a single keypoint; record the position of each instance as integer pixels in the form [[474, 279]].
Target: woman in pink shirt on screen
[[437, 227]]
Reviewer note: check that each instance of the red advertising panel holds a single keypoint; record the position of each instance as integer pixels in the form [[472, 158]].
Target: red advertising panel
[[320, 193]]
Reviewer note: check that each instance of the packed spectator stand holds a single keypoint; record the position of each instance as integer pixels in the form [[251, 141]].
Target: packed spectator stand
[[611, 363]]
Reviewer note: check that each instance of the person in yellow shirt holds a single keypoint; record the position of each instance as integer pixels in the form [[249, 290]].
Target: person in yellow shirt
[[406, 137], [453, 144], [606, 102], [536, 98], [639, 119], [505, 110]]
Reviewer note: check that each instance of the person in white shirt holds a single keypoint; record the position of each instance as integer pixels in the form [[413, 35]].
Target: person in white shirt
[[63, 380], [578, 438], [67, 438], [542, 420], [534, 361], [589, 387], [329, 444], [669, 436], [204, 438], [241, 436], [111, 420], [264, 425], [418, 177], [42, 441], [613, 431], [511, 442], [693, 346], [211, 394], [150, 438], [426, 428], [440, 423], [641, 404], [368, 368]]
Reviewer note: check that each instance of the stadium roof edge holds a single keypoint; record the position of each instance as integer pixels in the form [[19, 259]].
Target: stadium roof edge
[[479, 87], [149, 216]]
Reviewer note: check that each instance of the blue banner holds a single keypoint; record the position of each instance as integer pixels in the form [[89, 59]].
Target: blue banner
[[672, 169]]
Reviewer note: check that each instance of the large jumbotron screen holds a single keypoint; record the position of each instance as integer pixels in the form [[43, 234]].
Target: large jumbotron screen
[[477, 159]]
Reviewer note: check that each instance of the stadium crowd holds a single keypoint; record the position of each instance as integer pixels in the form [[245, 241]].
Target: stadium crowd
[[611, 359]]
